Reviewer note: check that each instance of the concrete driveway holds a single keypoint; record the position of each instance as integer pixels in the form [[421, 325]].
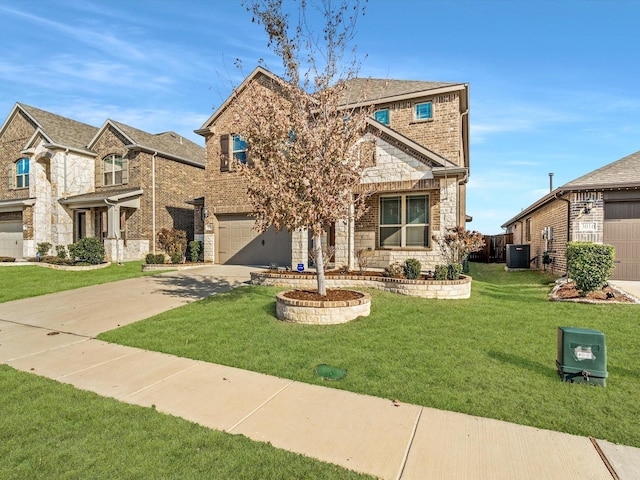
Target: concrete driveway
[[91, 310]]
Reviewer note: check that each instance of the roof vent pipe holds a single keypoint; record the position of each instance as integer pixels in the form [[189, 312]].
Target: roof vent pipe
[[551, 182]]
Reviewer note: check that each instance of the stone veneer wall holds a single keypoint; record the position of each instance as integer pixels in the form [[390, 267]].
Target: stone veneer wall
[[441, 289]]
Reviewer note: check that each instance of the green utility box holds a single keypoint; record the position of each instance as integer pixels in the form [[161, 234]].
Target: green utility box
[[582, 356]]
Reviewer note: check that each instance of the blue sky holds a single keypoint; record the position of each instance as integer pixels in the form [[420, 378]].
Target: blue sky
[[553, 83]]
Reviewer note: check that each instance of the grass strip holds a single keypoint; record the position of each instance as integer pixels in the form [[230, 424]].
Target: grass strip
[[492, 355], [52, 430]]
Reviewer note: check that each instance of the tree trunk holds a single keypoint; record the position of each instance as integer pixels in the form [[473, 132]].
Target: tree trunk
[[317, 246]]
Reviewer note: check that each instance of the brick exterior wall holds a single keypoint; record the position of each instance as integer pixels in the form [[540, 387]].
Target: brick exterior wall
[[18, 131], [394, 172], [554, 215], [441, 134], [176, 183]]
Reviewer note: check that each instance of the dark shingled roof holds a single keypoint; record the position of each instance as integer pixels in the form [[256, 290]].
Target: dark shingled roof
[[61, 130], [372, 89], [625, 170], [167, 142]]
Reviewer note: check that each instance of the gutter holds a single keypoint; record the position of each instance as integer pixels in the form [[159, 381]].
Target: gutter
[[135, 147]]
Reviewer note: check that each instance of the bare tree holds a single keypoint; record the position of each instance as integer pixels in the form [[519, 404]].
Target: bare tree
[[303, 134]]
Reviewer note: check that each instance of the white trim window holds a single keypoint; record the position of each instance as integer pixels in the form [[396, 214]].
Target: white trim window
[[22, 173], [382, 116], [423, 111], [404, 221], [113, 170]]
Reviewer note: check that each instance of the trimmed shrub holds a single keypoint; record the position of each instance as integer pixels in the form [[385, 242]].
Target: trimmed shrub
[[440, 272], [454, 270], [43, 248], [451, 271], [176, 257], [412, 268], [61, 252], [87, 250], [589, 265], [7, 259], [155, 259], [194, 250]]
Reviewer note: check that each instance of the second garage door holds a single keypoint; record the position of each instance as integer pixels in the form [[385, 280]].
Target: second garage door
[[240, 244], [11, 239], [622, 230]]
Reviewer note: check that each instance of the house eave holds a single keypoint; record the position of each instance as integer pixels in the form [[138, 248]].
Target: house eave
[[141, 148], [55, 146], [406, 96], [16, 205]]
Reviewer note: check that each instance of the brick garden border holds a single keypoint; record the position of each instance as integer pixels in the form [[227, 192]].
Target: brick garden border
[[321, 312]]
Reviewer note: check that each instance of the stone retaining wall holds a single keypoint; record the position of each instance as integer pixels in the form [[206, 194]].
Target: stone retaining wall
[[443, 289], [321, 312]]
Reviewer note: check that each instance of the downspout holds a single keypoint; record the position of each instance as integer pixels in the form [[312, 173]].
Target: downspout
[[466, 112], [64, 194], [115, 230], [153, 201]]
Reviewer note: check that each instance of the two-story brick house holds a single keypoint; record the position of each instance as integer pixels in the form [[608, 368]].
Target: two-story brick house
[[416, 185], [65, 180], [602, 206]]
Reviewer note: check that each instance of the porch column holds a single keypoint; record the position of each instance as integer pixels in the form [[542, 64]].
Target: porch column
[[300, 248], [448, 204], [112, 244]]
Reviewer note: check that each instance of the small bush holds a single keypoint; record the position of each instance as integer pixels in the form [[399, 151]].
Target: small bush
[[61, 252], [412, 268], [176, 257], [454, 270], [87, 250], [7, 259], [451, 271], [440, 272], [393, 270], [172, 240], [194, 250], [43, 248], [589, 265], [154, 259]]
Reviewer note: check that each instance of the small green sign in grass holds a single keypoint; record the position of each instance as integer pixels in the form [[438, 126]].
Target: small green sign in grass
[[328, 372]]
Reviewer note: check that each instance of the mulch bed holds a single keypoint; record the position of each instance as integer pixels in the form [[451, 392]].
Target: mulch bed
[[331, 296], [568, 292]]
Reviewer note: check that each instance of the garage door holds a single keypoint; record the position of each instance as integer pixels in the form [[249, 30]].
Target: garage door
[[11, 239], [240, 244], [622, 230]]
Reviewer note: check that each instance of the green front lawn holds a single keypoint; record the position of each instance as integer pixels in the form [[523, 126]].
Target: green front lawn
[[30, 281], [49, 430], [492, 355]]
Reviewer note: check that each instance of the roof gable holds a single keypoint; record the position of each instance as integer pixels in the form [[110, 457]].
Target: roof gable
[[60, 130], [167, 144]]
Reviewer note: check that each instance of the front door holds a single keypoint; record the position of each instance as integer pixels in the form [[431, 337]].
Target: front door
[[80, 230]]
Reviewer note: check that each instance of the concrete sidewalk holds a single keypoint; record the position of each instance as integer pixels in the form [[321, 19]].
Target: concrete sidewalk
[[53, 335]]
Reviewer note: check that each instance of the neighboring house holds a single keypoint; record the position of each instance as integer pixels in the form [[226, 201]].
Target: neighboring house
[[416, 185], [65, 180], [601, 207]]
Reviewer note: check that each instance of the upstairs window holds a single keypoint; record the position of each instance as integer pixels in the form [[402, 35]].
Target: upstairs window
[[239, 149], [113, 170], [382, 116], [22, 173], [233, 146], [424, 111]]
